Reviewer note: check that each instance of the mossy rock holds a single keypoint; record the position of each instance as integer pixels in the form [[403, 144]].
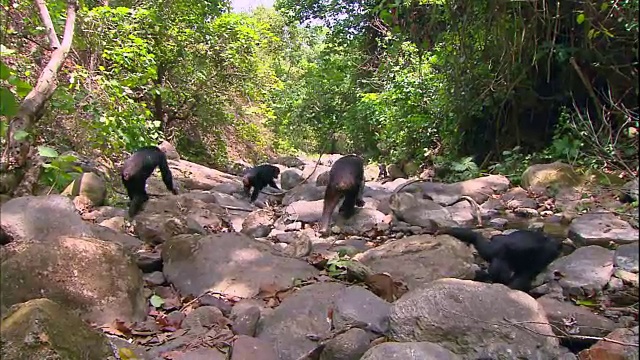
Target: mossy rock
[[411, 168], [371, 172], [556, 173], [395, 172], [90, 185], [42, 329]]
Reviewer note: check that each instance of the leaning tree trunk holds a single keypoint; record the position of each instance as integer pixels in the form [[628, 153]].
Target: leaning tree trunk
[[22, 174]]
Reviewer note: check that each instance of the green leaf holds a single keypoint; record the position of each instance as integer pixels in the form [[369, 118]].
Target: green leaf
[[604, 6], [156, 301], [48, 152], [22, 87], [20, 135], [69, 158], [386, 16], [8, 103], [5, 71], [50, 166], [580, 19], [586, 302]]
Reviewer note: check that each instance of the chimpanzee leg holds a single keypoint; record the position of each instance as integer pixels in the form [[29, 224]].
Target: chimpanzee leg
[[273, 184], [331, 199], [347, 209], [257, 187], [138, 195], [499, 271], [359, 202]]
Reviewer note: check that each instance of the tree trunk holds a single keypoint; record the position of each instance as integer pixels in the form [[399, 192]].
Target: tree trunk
[[16, 162], [157, 98]]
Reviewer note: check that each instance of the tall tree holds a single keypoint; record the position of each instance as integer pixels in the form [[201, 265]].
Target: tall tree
[[19, 164]]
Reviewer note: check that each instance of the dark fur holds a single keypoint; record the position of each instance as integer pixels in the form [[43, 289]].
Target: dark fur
[[259, 177], [346, 179], [137, 169], [514, 259]]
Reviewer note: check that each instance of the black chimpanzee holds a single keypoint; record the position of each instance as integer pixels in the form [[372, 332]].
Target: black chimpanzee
[[259, 177], [514, 259], [137, 169], [346, 179]]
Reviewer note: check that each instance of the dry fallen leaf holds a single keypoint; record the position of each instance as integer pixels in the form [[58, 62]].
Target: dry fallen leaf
[[268, 290], [381, 285], [117, 328], [44, 338]]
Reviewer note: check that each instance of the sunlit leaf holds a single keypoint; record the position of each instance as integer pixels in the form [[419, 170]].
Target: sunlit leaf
[[48, 152], [580, 19], [20, 135], [156, 301]]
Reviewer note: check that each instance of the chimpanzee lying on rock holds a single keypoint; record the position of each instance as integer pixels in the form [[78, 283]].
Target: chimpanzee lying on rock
[[346, 179], [514, 259], [259, 177], [137, 169]]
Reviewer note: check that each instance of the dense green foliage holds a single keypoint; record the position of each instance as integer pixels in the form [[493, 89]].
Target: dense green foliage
[[461, 86], [514, 82]]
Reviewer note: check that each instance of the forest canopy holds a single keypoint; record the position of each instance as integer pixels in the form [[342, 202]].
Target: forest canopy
[[465, 85]]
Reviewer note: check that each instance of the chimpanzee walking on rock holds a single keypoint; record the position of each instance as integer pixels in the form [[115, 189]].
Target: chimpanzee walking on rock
[[137, 169], [259, 177], [346, 179]]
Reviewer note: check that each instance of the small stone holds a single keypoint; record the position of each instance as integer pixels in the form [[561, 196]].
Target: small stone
[[149, 262], [627, 277], [245, 320], [175, 318], [294, 226], [250, 348], [498, 223], [203, 316], [627, 256], [222, 304], [415, 230], [536, 226], [526, 212], [350, 345], [155, 278], [615, 284]]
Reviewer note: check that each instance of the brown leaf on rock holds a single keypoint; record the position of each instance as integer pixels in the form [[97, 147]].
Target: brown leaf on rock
[[381, 285], [317, 260], [268, 290], [600, 354], [188, 299], [117, 328], [385, 287]]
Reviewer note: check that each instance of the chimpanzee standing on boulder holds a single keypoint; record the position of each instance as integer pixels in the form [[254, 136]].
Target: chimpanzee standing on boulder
[[259, 177], [346, 179], [137, 169]]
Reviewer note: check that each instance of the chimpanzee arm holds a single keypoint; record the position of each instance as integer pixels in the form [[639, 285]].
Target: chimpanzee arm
[[272, 183], [167, 178]]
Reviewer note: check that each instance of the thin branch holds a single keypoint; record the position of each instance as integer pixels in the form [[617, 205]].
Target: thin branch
[[46, 47], [586, 84], [48, 24], [519, 324]]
